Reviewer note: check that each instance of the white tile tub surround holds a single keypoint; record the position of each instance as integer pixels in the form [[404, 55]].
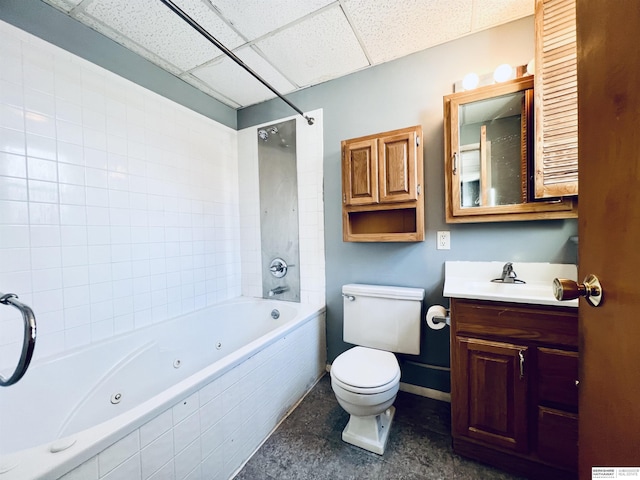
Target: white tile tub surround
[[309, 157], [118, 207], [213, 432]]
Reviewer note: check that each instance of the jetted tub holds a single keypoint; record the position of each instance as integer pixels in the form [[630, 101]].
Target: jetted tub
[[190, 397]]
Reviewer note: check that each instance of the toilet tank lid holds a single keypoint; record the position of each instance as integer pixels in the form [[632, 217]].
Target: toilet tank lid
[[399, 293]]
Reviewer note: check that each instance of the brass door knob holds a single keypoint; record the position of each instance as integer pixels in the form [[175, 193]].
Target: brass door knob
[[591, 289]]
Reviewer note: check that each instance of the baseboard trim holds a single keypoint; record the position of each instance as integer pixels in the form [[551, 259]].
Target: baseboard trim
[[426, 392]]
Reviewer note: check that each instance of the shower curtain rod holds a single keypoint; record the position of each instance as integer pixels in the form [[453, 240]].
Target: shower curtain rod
[[178, 11]]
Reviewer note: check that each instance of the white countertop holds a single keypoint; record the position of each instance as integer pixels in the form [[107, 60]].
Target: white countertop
[[473, 280]]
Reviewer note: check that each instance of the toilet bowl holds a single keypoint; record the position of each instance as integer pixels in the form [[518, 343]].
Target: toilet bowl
[[378, 320], [366, 382]]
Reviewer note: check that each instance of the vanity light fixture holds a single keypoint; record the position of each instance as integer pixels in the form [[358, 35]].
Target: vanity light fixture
[[503, 72]]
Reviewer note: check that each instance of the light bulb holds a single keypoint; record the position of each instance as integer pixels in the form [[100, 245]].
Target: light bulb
[[502, 72], [470, 81], [531, 67]]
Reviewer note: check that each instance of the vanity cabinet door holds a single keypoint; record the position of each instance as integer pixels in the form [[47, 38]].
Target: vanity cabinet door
[[557, 378], [558, 437], [489, 393], [558, 407]]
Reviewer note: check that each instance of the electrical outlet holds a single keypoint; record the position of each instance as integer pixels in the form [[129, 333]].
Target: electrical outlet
[[443, 240]]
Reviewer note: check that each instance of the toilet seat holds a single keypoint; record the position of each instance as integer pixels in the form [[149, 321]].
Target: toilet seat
[[366, 371]]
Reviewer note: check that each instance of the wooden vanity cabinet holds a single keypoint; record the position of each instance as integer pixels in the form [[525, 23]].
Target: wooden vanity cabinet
[[382, 187], [514, 397]]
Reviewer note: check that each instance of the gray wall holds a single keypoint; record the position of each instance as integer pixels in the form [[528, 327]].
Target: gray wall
[[401, 93]]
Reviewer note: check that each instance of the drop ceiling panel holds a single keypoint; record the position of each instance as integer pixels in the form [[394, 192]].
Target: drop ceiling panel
[[167, 36], [396, 28], [254, 18], [317, 49], [487, 13], [291, 43], [128, 43], [200, 85], [235, 83]]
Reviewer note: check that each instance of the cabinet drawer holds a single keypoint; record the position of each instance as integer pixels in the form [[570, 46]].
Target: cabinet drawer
[[558, 437], [558, 372], [517, 322]]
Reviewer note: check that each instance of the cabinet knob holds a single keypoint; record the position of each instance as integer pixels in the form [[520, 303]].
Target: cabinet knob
[[591, 289]]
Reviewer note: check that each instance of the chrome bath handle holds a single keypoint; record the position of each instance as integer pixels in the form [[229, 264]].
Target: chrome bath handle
[[29, 340]]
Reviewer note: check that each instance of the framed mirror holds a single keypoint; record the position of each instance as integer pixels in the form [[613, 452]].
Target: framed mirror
[[489, 147]]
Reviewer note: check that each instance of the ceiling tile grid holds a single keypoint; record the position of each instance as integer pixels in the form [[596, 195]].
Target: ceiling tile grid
[[255, 18], [234, 82], [315, 50], [292, 44], [206, 88], [150, 24], [396, 28]]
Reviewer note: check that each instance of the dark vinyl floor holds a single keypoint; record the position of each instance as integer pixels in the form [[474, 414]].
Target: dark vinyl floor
[[307, 445]]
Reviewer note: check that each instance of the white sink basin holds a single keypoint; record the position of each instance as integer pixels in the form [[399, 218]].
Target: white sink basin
[[473, 280]]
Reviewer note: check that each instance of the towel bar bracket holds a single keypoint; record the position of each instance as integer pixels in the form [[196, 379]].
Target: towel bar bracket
[[28, 342]]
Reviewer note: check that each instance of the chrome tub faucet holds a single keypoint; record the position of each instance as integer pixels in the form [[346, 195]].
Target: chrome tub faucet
[[278, 290]]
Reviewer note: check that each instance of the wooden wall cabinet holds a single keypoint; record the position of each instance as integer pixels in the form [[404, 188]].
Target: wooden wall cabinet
[[514, 391], [489, 171], [382, 175], [556, 99]]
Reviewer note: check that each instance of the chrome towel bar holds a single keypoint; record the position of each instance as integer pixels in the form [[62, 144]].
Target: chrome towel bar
[[29, 340]]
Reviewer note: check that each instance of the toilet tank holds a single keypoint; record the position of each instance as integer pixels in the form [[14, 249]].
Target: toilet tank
[[386, 318]]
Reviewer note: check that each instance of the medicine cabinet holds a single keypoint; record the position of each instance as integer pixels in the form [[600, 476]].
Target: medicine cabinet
[[489, 148]]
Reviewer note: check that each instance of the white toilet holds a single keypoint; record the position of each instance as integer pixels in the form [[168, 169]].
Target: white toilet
[[366, 378]]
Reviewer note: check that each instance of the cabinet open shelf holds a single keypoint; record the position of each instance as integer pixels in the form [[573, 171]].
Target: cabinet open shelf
[[391, 225]]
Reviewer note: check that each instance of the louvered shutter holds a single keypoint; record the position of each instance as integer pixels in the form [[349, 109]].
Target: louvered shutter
[[556, 99]]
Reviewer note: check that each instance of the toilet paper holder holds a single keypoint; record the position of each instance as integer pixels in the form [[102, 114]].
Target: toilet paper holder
[[446, 319]]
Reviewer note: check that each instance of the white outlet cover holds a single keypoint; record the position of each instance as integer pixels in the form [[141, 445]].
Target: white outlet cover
[[443, 240]]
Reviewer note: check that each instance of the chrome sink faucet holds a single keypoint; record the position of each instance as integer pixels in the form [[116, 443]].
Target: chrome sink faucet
[[508, 275]]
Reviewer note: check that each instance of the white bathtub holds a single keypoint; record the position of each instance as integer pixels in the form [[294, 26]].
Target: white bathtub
[[191, 397]]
